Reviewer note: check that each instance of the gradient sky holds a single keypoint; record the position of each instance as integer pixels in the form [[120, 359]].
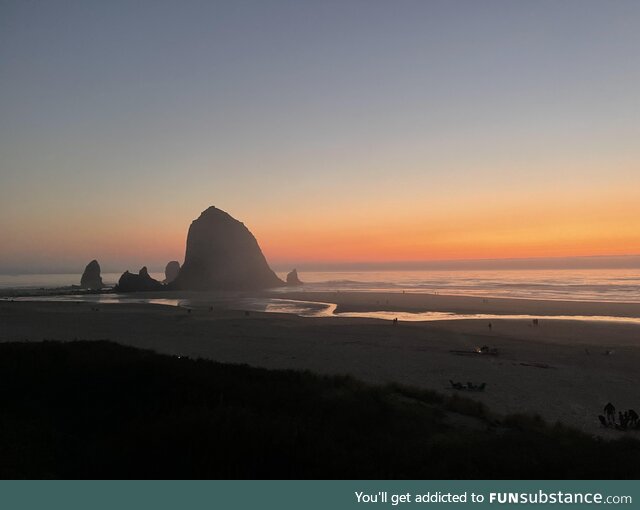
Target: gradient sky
[[337, 131]]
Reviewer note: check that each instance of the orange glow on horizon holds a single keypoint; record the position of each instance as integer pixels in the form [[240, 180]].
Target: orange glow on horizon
[[465, 228], [608, 227]]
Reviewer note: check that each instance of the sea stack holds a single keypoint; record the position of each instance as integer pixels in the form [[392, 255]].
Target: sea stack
[[171, 271], [91, 278], [141, 282], [292, 278], [223, 255]]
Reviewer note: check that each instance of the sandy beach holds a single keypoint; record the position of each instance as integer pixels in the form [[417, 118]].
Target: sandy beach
[[563, 370]]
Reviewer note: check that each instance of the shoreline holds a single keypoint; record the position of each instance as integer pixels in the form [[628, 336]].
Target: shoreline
[[360, 301], [387, 306], [420, 302]]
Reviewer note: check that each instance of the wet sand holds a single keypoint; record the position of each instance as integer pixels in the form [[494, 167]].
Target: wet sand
[[417, 302], [558, 369]]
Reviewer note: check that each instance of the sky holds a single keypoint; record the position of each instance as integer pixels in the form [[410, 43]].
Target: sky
[[337, 131]]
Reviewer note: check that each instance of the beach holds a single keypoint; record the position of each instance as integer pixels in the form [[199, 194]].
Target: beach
[[563, 370]]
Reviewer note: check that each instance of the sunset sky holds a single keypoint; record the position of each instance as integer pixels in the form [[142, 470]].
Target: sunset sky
[[337, 131]]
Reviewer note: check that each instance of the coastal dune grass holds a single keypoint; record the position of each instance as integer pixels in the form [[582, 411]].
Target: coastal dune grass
[[102, 410]]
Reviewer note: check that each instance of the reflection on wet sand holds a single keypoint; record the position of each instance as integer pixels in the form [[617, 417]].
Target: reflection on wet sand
[[311, 308]]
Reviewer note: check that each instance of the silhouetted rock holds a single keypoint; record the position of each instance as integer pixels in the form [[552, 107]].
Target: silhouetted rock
[[171, 271], [91, 278], [222, 254], [130, 282], [292, 278]]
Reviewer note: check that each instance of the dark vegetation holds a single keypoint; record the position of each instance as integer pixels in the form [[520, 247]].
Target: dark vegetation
[[101, 410]]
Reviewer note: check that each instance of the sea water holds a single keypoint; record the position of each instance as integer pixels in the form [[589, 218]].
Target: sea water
[[608, 285], [619, 285]]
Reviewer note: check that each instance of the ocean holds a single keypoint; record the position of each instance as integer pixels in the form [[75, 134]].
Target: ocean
[[619, 285], [610, 285]]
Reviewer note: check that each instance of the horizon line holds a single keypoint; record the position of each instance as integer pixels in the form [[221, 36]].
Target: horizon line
[[630, 261]]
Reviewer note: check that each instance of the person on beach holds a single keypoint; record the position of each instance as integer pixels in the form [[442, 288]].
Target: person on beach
[[610, 412]]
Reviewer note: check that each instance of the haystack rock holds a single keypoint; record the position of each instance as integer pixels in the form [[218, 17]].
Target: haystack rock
[[171, 271], [141, 282], [223, 255], [292, 278], [91, 278]]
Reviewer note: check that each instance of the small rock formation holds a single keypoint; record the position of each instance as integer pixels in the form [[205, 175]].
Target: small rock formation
[[140, 282], [171, 271], [91, 278], [223, 255], [292, 278]]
